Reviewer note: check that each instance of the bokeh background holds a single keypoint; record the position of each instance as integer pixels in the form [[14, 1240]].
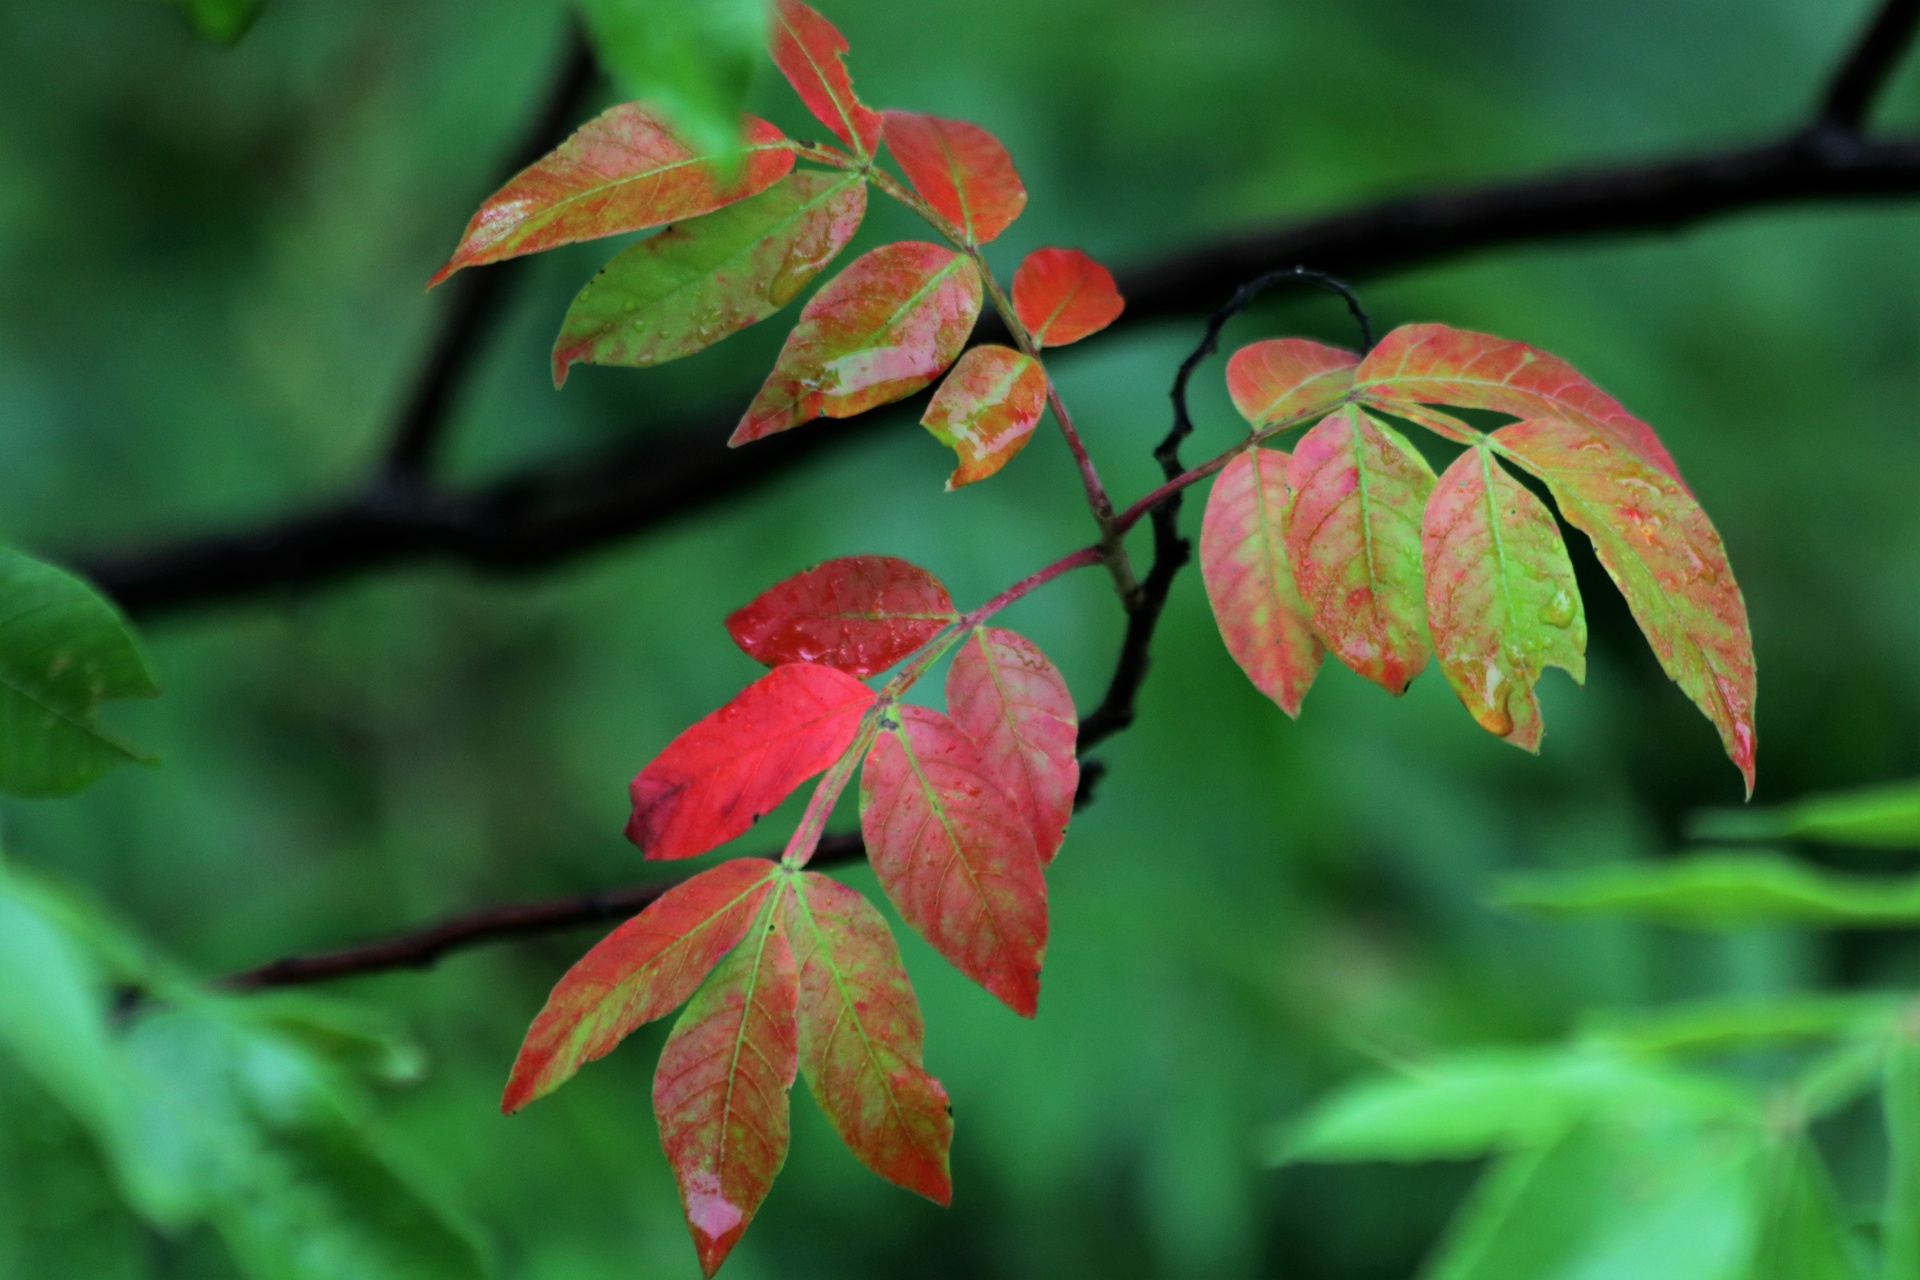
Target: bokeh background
[[210, 300]]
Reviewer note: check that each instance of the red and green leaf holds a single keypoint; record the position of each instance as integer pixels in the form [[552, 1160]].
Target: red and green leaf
[[986, 410], [809, 51], [720, 776], [624, 170], [1353, 538], [1005, 695], [1664, 554], [955, 855], [1288, 379], [1249, 580], [880, 330], [1502, 603], [860, 614], [1062, 295], [720, 1091], [861, 1038], [960, 169], [643, 970], [685, 289]]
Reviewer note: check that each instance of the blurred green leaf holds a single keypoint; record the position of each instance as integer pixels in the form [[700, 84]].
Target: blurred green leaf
[[1710, 1026], [1720, 892], [1802, 1236], [368, 1042], [222, 21], [693, 57], [1900, 1232], [1885, 817], [63, 650]]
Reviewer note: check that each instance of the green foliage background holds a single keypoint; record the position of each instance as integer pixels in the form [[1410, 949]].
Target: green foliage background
[[210, 271]]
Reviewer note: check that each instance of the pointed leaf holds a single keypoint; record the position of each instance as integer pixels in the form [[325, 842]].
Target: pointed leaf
[[1664, 554], [1005, 695], [809, 50], [720, 1092], [1062, 296], [1722, 891], [955, 855], [1501, 599], [861, 1038], [986, 410], [880, 330], [1243, 560], [720, 776], [960, 169], [1288, 378], [860, 614], [624, 170], [1353, 536], [690, 286], [643, 970]]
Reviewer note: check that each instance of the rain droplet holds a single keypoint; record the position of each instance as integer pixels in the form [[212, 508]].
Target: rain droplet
[[1559, 610]]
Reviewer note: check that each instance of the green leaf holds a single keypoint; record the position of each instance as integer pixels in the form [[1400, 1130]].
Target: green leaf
[[1802, 1236], [1900, 1231], [221, 21], [693, 57], [1885, 817], [63, 651], [1721, 892], [1712, 1026]]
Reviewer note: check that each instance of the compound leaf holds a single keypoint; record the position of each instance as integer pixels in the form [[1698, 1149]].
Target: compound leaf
[[860, 614], [1005, 695], [1249, 581], [960, 169], [809, 51], [986, 410], [1283, 379], [1062, 295]]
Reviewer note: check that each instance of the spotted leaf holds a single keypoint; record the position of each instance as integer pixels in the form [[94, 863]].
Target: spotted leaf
[[1249, 581], [860, 614], [986, 410]]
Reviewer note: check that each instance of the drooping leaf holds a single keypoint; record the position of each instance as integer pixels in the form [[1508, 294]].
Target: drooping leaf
[[986, 410], [1062, 296], [809, 51], [720, 1092], [955, 855], [624, 170], [1288, 378], [883, 328], [860, 614], [1664, 554], [727, 770], [1882, 817], [861, 1038], [960, 169], [63, 651], [1433, 364], [643, 970], [1249, 581], [1502, 603], [1802, 1235], [690, 286], [1721, 891], [1900, 1097], [694, 58], [1353, 537], [1005, 695]]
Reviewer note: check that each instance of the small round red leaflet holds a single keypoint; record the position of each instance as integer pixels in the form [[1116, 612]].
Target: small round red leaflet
[[860, 614], [1062, 296], [960, 169]]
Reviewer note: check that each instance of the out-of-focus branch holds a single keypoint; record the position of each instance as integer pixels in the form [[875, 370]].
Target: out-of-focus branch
[[1863, 77]]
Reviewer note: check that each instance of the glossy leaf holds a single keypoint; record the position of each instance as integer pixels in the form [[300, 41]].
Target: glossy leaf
[[720, 1092], [1883, 817], [809, 51], [624, 170], [1502, 603], [720, 776], [1284, 379], [1900, 1098], [690, 286], [1005, 695], [1062, 296], [1353, 537], [861, 1038], [955, 855], [986, 410], [695, 60], [880, 330], [1433, 364], [1249, 580], [643, 970], [960, 169], [1722, 891], [1664, 554], [860, 614]]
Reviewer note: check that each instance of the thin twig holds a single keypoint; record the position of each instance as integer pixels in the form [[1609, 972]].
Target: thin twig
[[1863, 77]]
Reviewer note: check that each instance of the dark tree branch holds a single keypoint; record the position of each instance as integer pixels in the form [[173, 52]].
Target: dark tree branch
[[1871, 63]]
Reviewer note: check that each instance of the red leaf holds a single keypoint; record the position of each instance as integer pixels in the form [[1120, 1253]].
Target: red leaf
[[808, 50], [1288, 378], [1664, 554], [861, 1038], [955, 855], [720, 1091], [1423, 364], [1243, 560], [1062, 295], [641, 971], [1353, 537], [1011, 701], [860, 614], [624, 170], [716, 779], [880, 330], [960, 169], [986, 410]]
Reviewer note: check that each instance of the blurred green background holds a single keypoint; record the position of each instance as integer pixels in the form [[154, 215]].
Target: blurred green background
[[210, 300]]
